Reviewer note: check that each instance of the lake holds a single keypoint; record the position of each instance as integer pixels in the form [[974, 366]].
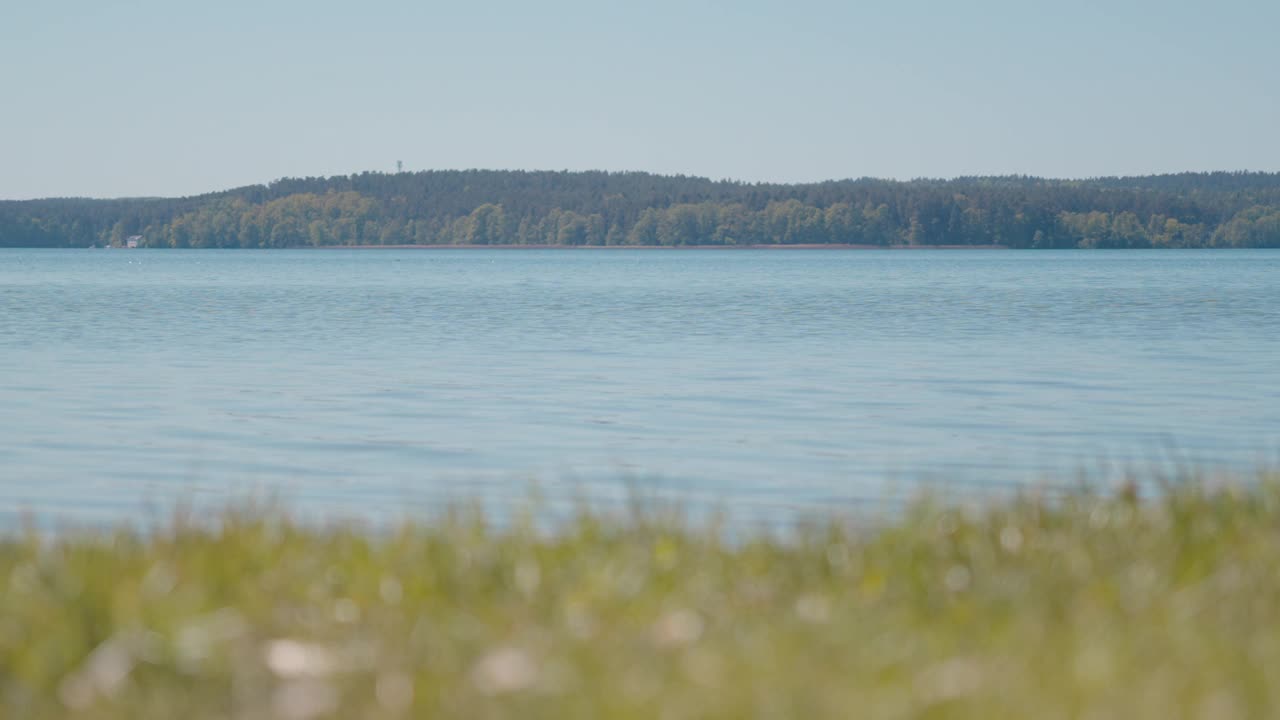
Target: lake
[[379, 382]]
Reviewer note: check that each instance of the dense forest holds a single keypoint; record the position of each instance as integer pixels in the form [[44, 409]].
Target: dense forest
[[486, 207]]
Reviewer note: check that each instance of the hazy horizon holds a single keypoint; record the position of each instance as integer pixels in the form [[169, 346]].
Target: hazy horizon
[[151, 100], [656, 174]]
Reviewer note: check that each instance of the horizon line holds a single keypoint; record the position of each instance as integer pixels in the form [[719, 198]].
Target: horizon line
[[707, 178]]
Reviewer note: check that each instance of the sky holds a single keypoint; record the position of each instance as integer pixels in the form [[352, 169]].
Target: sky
[[116, 99]]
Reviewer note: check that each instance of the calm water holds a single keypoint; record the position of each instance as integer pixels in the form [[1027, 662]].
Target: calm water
[[376, 382]]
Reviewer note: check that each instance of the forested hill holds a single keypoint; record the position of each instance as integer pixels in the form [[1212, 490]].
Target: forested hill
[[487, 207]]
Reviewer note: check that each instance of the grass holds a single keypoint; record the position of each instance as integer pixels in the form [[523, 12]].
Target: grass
[[1091, 605]]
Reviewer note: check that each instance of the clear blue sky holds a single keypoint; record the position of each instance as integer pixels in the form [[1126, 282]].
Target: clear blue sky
[[112, 98]]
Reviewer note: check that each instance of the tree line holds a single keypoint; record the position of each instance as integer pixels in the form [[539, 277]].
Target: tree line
[[482, 207]]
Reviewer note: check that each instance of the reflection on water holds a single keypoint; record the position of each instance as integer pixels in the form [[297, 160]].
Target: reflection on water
[[373, 381]]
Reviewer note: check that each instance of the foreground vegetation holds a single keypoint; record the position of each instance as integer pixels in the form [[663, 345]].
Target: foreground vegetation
[[489, 207], [1084, 606]]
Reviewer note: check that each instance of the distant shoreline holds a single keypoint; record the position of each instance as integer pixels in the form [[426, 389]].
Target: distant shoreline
[[548, 209], [812, 246]]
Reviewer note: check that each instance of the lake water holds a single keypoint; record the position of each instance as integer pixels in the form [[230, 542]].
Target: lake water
[[375, 382]]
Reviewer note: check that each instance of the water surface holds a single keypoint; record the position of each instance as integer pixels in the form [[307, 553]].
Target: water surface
[[380, 381]]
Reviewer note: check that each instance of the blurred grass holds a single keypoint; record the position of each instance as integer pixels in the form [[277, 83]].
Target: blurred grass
[[1089, 605]]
